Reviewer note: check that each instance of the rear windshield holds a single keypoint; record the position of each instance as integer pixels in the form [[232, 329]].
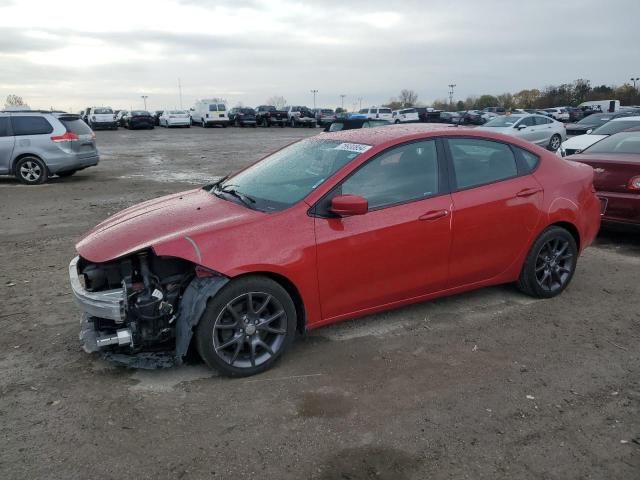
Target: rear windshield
[[249, 111], [327, 111], [102, 110], [624, 142], [614, 127], [76, 126], [213, 107], [221, 107], [140, 113]]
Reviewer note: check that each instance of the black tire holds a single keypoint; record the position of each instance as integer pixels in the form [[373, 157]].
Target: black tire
[[554, 142], [278, 334], [550, 264], [31, 171], [236, 123], [68, 173]]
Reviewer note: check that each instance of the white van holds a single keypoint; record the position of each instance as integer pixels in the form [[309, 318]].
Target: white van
[[603, 105], [209, 112], [406, 115], [378, 112]]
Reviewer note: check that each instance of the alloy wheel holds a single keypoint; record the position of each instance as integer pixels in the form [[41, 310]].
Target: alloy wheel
[[30, 171], [250, 330], [554, 264], [555, 142]]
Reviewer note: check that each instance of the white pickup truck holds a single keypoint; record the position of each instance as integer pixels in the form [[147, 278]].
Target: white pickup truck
[[101, 117]]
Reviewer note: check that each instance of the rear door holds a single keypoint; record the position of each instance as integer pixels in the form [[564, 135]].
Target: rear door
[[544, 130], [496, 207], [7, 142]]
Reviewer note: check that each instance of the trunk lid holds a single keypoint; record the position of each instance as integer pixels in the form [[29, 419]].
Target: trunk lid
[[612, 172]]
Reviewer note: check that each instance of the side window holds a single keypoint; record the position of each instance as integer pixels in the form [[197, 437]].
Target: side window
[[30, 126], [528, 121], [542, 120], [529, 159], [478, 162], [402, 174], [4, 126]]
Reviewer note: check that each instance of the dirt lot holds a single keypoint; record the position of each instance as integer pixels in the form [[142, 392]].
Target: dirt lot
[[489, 384]]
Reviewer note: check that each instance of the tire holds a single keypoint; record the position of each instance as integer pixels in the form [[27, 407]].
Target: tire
[[247, 352], [554, 142], [31, 171], [550, 264], [68, 173], [293, 123], [203, 124]]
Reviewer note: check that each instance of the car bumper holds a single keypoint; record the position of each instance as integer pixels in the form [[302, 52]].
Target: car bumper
[[175, 122], [620, 207], [72, 162], [107, 304], [110, 124]]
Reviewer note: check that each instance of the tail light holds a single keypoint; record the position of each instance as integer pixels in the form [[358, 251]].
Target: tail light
[[67, 137], [634, 183]]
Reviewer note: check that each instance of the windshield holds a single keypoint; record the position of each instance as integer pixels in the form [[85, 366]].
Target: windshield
[[625, 142], [503, 121], [289, 175], [610, 128], [100, 111], [248, 111], [595, 119]]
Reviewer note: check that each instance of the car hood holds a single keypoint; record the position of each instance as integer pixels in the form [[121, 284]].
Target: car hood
[[582, 141], [161, 220]]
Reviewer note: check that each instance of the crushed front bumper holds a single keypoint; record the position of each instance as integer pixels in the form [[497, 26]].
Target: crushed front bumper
[[107, 304]]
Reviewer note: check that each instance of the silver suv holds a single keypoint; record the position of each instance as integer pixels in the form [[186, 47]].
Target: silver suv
[[37, 144]]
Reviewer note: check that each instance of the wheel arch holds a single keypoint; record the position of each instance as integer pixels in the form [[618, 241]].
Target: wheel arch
[[24, 155], [571, 228]]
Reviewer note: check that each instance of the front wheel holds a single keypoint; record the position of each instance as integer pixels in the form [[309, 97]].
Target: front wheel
[[246, 327], [550, 264], [555, 142], [31, 171]]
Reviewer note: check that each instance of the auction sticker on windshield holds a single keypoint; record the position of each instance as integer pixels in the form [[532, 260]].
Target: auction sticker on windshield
[[353, 147]]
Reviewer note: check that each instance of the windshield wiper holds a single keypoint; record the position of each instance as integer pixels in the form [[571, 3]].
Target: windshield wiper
[[211, 186], [245, 199]]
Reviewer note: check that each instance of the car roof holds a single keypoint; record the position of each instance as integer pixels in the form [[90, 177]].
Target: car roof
[[379, 135]]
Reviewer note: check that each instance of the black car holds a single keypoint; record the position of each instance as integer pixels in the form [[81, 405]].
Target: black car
[[575, 114], [353, 123], [156, 117], [139, 119], [595, 120], [242, 117]]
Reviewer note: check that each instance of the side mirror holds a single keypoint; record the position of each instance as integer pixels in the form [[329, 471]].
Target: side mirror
[[347, 205], [521, 127]]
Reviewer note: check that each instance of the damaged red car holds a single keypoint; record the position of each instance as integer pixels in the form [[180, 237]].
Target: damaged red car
[[330, 228]]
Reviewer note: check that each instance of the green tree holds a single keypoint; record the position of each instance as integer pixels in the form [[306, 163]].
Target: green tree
[[14, 101], [486, 101], [460, 105]]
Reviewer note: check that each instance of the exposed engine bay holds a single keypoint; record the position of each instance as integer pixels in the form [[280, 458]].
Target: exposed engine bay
[[132, 305]]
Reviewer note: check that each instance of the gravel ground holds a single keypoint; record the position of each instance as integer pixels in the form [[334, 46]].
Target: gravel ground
[[485, 385]]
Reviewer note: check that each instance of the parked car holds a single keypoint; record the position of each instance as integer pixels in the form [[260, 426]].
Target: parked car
[[428, 114], [496, 110], [601, 106], [101, 117], [35, 145], [616, 163], [594, 121], [581, 142], [575, 114], [208, 113], [538, 129], [139, 119], [242, 117], [472, 117], [558, 113], [174, 118], [324, 116], [378, 112], [450, 117], [353, 122], [299, 116], [268, 115], [405, 115], [120, 117], [156, 117], [493, 209]]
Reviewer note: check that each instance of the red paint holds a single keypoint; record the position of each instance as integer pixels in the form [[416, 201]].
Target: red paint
[[358, 264]]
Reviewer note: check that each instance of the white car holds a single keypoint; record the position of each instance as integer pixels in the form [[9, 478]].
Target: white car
[[101, 117], [378, 112], [406, 115], [558, 113], [209, 112], [580, 142], [538, 129], [175, 118]]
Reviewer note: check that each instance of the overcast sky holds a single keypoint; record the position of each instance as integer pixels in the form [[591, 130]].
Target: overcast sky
[[72, 54]]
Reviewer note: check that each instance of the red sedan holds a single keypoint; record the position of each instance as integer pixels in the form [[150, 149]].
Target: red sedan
[[332, 227], [616, 163]]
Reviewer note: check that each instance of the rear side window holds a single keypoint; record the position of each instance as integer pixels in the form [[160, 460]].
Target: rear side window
[[384, 110], [4, 126], [542, 120], [478, 162], [221, 107], [76, 126], [30, 126], [529, 159]]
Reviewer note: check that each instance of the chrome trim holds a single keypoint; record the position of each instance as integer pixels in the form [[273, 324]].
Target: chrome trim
[[106, 304]]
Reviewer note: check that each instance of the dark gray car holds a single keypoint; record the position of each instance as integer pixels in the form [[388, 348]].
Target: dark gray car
[[35, 145]]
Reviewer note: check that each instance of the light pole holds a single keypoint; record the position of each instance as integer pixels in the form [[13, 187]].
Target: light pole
[[342, 100], [180, 92], [314, 98], [634, 80], [144, 98], [360, 101], [451, 87]]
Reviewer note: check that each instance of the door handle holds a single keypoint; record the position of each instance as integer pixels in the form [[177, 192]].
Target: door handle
[[527, 192], [434, 215]]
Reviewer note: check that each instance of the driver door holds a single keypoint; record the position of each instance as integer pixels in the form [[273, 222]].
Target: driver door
[[399, 249]]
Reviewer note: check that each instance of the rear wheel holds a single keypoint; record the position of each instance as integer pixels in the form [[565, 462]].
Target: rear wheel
[[31, 171], [246, 327], [550, 264], [555, 142]]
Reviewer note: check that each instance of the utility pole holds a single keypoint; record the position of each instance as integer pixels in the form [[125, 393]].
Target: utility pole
[[634, 80], [180, 92], [360, 101], [314, 98], [342, 100], [451, 87], [144, 98]]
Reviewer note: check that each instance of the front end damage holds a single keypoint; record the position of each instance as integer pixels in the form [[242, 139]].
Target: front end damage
[[141, 310]]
